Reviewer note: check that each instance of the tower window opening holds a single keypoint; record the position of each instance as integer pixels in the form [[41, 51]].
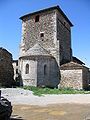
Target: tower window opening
[[27, 69], [45, 69], [16, 71], [41, 35], [37, 18]]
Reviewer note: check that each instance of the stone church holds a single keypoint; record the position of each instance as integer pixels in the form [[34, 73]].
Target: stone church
[[45, 57]]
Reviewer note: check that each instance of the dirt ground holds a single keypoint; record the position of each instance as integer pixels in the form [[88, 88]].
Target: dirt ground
[[51, 112]]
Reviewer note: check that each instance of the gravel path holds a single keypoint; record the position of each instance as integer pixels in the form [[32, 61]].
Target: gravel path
[[26, 97]]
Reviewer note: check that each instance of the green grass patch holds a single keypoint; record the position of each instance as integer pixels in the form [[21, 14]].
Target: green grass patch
[[42, 91]]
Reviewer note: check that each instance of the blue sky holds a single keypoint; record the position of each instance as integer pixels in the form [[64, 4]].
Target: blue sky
[[78, 11]]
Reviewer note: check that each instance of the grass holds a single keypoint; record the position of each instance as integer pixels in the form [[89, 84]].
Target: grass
[[42, 91]]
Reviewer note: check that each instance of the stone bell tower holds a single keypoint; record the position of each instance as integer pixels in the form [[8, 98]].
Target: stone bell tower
[[52, 29]]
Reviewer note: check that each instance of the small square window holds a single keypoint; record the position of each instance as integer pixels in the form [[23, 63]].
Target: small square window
[[41, 35], [37, 18]]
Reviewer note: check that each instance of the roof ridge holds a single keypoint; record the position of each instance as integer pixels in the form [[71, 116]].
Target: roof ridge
[[37, 49]]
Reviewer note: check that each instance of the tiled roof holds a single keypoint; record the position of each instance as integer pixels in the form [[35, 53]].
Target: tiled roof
[[36, 50], [71, 65]]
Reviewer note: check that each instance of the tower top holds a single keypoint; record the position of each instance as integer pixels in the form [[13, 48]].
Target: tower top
[[48, 9]]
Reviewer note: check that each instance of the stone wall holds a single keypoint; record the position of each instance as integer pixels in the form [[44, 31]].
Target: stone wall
[[43, 71], [71, 79], [86, 78], [31, 30], [74, 75], [64, 38], [50, 77], [31, 78], [6, 68]]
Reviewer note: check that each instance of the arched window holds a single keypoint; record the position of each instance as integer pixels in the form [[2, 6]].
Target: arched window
[[45, 69], [27, 69]]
